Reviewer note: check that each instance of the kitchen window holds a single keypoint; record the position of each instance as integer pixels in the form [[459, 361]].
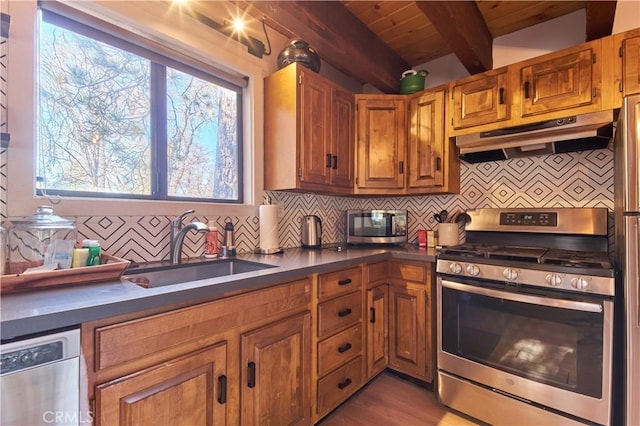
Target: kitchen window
[[118, 119]]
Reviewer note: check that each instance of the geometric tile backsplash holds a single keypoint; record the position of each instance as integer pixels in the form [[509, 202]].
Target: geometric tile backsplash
[[579, 179]]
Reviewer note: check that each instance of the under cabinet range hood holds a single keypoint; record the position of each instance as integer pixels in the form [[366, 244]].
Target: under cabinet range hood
[[568, 134]]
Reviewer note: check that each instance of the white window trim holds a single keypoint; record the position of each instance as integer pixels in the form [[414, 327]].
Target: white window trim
[[174, 30]]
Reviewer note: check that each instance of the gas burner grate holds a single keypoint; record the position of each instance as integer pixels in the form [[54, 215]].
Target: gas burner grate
[[577, 259]]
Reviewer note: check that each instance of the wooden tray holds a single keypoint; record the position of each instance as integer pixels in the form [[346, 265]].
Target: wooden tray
[[111, 269]]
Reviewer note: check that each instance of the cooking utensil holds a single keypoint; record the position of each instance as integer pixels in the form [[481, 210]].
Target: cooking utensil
[[436, 216], [443, 216], [454, 217], [463, 218]]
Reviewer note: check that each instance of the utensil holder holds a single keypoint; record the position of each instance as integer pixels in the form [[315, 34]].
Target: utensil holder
[[448, 234]]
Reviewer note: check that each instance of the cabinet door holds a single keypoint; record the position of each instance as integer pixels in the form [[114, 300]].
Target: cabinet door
[[188, 390], [426, 141], [407, 351], [381, 141], [314, 122], [377, 329], [276, 373], [563, 82], [343, 134], [480, 100], [631, 66]]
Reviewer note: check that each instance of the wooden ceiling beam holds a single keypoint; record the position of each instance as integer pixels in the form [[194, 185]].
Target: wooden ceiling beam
[[339, 37], [600, 15], [462, 26]]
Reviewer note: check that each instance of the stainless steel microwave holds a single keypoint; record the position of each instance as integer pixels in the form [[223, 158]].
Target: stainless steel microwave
[[376, 226]]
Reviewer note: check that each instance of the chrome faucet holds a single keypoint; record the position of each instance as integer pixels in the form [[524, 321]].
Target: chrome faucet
[[177, 233]]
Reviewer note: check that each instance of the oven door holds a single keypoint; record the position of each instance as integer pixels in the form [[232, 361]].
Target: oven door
[[551, 351]]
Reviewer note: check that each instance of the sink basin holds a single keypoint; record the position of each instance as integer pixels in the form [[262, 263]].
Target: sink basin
[[177, 274]]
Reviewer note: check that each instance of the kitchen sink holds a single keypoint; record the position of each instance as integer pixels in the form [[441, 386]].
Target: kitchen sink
[[181, 273]]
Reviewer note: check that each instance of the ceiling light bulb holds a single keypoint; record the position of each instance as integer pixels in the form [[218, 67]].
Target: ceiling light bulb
[[238, 25]]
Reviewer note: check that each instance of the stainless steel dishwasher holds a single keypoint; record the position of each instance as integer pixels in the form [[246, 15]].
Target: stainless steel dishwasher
[[40, 380]]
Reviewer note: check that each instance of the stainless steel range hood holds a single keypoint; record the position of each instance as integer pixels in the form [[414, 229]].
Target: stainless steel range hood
[[569, 134]]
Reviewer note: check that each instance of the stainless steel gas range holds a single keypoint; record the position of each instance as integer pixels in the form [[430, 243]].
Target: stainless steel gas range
[[525, 318]]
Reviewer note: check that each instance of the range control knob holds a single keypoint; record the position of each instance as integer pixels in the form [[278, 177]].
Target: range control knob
[[510, 274], [473, 270], [579, 283], [25, 358], [554, 279], [455, 268]]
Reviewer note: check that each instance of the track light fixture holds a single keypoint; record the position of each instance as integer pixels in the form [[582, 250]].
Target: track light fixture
[[234, 31]]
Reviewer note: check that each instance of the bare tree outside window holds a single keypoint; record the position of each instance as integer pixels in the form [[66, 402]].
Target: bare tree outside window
[[96, 124]]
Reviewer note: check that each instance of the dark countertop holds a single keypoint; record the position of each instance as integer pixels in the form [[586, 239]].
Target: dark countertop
[[39, 311]]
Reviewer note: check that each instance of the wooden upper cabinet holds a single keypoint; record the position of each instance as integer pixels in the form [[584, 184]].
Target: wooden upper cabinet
[[309, 118], [630, 51], [426, 150], [314, 122], [562, 81], [191, 389], [343, 146], [381, 141], [481, 99]]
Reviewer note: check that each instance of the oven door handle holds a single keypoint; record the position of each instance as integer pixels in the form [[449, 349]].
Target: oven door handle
[[525, 298]]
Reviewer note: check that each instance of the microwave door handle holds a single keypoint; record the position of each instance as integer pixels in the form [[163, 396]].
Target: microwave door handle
[[392, 218], [525, 298]]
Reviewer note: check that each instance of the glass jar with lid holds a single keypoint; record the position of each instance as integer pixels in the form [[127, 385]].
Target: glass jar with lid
[[31, 238]]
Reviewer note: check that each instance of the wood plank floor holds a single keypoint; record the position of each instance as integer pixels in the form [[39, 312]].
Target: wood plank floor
[[391, 401]]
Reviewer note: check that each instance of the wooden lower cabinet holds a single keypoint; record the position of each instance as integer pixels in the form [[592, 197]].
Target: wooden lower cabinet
[[190, 389], [377, 329], [275, 373], [407, 350]]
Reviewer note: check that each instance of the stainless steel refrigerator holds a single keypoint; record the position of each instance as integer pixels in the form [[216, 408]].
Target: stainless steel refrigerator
[[627, 241]]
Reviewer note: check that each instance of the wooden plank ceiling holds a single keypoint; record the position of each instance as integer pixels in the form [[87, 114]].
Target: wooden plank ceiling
[[375, 41]]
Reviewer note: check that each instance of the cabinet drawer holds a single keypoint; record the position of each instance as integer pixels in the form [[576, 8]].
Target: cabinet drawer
[[414, 272], [339, 282], [338, 349], [377, 271], [339, 385], [339, 313]]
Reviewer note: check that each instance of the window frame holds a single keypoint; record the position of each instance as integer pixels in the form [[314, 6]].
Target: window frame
[[159, 63]]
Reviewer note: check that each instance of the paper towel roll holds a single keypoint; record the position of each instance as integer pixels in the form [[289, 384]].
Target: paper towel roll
[[269, 227]]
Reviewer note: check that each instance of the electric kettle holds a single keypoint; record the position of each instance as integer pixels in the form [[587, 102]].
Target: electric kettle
[[311, 231]]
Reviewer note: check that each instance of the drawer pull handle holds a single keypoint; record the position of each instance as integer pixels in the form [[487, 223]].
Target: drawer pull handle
[[346, 382], [252, 374], [344, 312], [373, 314], [222, 397], [345, 281], [342, 349]]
